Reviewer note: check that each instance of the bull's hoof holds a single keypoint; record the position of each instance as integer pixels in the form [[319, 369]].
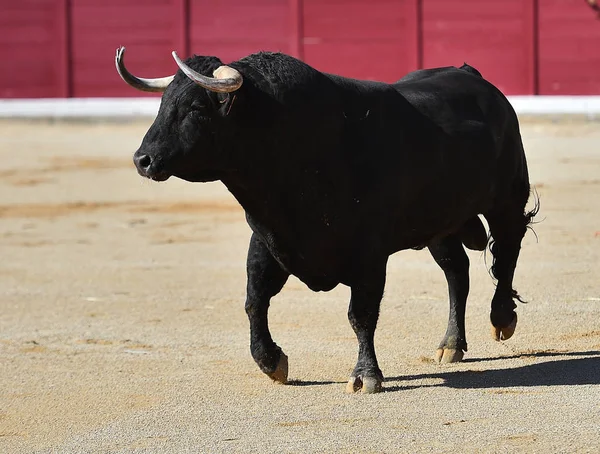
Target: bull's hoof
[[365, 385], [452, 348], [280, 374], [504, 333], [449, 355]]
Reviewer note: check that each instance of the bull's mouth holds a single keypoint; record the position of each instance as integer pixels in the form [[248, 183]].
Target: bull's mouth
[[205, 176], [154, 175], [160, 177]]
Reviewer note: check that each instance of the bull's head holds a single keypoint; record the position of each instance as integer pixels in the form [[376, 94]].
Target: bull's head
[[182, 140]]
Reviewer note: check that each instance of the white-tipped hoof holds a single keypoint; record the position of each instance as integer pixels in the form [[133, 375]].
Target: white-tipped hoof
[[352, 386], [448, 355], [506, 332], [371, 385], [366, 385], [280, 375]]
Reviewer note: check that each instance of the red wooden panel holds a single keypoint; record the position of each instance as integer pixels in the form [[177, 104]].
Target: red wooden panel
[[231, 29], [149, 29], [32, 47], [569, 56], [362, 39], [496, 37], [295, 32]]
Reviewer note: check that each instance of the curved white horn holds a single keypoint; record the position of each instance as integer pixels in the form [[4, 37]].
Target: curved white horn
[[153, 85], [226, 78]]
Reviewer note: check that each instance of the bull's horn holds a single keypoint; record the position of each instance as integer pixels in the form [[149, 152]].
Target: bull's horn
[[154, 85], [226, 78]]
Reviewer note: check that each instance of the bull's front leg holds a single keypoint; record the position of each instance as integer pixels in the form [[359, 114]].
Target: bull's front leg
[[363, 314], [265, 280]]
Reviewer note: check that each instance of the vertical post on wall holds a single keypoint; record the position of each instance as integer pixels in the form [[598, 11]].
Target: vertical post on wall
[[414, 33], [182, 36], [296, 33], [530, 17], [420, 34], [536, 47], [65, 69]]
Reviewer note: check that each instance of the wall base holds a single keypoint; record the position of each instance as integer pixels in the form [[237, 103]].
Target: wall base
[[60, 108]]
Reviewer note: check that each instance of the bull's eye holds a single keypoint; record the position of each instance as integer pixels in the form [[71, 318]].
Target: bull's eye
[[197, 112]]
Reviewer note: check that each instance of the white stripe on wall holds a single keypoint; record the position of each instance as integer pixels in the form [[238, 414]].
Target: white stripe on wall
[[147, 107]]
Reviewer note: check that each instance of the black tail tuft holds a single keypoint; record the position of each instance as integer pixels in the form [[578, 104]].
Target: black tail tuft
[[534, 211], [527, 220], [493, 272]]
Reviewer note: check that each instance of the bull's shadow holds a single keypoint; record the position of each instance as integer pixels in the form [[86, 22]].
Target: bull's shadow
[[576, 368]]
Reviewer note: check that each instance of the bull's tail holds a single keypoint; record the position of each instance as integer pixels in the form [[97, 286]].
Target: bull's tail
[[522, 223]]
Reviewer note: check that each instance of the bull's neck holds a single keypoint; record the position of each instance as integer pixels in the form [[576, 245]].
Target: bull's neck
[[256, 192]]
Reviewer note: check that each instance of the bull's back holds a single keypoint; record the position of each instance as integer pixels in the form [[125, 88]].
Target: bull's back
[[451, 96], [470, 114]]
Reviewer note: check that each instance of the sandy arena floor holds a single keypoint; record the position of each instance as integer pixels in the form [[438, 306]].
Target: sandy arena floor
[[122, 326]]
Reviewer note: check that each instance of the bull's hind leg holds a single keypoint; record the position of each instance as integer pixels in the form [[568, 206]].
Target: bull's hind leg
[[363, 314], [450, 255], [265, 280], [507, 226]]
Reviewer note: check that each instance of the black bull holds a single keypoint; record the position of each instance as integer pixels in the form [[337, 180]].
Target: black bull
[[337, 174]]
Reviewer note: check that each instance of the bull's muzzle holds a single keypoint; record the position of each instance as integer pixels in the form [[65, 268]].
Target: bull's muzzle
[[147, 167]]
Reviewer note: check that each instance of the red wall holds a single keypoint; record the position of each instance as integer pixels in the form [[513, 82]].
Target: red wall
[[149, 29], [362, 39], [60, 48], [32, 49], [569, 48], [496, 37], [235, 28]]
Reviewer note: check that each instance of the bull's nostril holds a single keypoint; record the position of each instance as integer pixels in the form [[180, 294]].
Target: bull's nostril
[[144, 161]]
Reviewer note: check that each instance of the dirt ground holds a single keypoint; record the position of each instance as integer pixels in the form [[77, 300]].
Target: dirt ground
[[122, 326]]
